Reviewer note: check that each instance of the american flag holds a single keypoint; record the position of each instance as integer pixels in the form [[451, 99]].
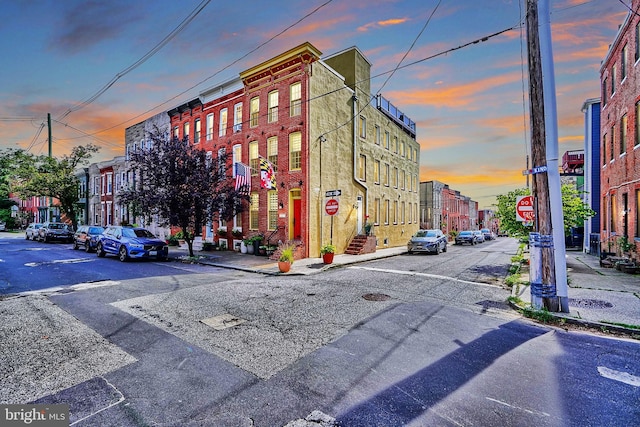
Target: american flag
[[243, 178]]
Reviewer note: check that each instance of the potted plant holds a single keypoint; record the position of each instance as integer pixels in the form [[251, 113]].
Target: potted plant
[[327, 251], [236, 233], [222, 232], [286, 259]]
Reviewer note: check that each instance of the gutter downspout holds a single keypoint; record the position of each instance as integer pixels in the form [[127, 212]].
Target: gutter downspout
[[354, 106]]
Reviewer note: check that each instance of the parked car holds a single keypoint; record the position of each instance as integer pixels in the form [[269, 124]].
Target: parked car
[[31, 232], [87, 237], [131, 242], [488, 234], [466, 237], [428, 241], [3, 226], [479, 235], [51, 231]]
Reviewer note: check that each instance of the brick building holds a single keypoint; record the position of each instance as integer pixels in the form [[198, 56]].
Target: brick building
[[620, 142], [315, 120]]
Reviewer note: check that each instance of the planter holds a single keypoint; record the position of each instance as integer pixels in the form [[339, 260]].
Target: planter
[[250, 249], [328, 257], [256, 247], [243, 248], [284, 266]]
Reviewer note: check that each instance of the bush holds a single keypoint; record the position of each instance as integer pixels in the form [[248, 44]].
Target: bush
[[327, 249]]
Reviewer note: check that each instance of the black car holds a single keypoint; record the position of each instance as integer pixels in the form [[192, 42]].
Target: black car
[[87, 237], [51, 231], [468, 237]]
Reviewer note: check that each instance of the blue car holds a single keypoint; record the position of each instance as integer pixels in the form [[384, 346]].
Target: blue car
[[131, 242]]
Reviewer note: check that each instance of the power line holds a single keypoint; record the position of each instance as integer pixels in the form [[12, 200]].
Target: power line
[[219, 71], [140, 61], [85, 134]]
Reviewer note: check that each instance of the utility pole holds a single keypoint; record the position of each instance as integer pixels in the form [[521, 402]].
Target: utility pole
[[49, 208], [543, 277]]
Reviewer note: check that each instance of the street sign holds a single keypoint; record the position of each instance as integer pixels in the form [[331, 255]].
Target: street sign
[[535, 170], [524, 209], [331, 207], [332, 193]]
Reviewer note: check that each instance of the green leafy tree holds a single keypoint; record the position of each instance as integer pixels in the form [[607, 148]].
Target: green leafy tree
[[43, 176], [574, 210], [182, 185]]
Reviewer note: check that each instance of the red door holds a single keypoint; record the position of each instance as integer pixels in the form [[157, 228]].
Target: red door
[[297, 212]]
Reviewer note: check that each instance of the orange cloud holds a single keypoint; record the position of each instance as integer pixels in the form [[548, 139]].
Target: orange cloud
[[385, 23]]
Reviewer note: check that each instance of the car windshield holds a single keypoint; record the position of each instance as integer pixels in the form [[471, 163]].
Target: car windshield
[[426, 233], [137, 232], [485, 230], [465, 233], [96, 230], [57, 226]]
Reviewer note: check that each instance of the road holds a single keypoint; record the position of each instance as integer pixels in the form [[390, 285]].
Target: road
[[410, 340]]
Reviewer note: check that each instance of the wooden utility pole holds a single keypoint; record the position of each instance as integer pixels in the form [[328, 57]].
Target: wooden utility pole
[[545, 291]]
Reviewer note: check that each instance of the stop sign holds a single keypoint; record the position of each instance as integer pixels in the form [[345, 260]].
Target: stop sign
[[331, 207], [524, 208]]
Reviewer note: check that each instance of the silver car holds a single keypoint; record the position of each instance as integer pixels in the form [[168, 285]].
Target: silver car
[[31, 233], [431, 241]]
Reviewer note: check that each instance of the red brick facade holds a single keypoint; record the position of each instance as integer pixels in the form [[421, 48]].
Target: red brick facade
[[620, 137]]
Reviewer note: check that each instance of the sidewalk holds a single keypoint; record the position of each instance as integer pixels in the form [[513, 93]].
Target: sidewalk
[[599, 297]]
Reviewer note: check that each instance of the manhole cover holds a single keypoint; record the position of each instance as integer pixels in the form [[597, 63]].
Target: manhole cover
[[589, 303], [376, 297]]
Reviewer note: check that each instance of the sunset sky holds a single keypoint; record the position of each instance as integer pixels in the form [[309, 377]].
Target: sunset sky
[[470, 104]]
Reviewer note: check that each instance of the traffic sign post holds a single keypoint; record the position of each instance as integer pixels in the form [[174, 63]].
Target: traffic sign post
[[524, 209]]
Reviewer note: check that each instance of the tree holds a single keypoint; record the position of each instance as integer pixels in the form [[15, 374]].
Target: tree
[[183, 185], [43, 176], [574, 210]]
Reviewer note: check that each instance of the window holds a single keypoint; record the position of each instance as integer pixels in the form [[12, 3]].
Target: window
[[272, 196], [362, 127], [109, 183], [377, 135], [295, 95], [176, 133], [295, 151], [376, 171], [386, 212], [222, 128], [402, 213], [254, 111], [237, 117], [637, 53], [604, 149], [222, 164], [637, 233], [185, 131], [254, 211], [272, 151], [236, 154], [196, 135], [403, 149], [612, 143], [637, 137], [362, 167], [272, 106], [394, 144], [403, 180], [394, 178], [254, 158], [387, 139], [604, 91], [613, 79], [376, 211], [623, 134], [385, 174], [209, 127], [623, 65]]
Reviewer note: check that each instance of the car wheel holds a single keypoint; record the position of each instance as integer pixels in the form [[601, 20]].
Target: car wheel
[[26, 236], [444, 249], [122, 253], [45, 239], [87, 247], [75, 245], [100, 250]]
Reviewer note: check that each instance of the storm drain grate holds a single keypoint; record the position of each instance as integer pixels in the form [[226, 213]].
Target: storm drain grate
[[589, 303], [223, 321], [376, 297]]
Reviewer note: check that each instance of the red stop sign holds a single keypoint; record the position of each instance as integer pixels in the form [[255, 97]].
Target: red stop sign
[[524, 208], [331, 207]]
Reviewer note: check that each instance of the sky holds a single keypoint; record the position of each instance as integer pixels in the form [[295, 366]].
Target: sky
[[99, 67]]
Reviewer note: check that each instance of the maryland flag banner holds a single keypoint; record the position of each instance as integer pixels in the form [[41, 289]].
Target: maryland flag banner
[[267, 175]]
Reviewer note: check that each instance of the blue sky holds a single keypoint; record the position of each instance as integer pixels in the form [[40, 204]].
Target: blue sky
[[468, 104]]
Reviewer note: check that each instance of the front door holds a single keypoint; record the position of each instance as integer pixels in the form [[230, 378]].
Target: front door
[[296, 216]]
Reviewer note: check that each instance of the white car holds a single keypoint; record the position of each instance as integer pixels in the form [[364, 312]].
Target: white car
[[3, 226]]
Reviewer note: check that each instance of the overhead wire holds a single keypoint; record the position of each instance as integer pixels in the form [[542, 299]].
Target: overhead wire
[[140, 61]]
